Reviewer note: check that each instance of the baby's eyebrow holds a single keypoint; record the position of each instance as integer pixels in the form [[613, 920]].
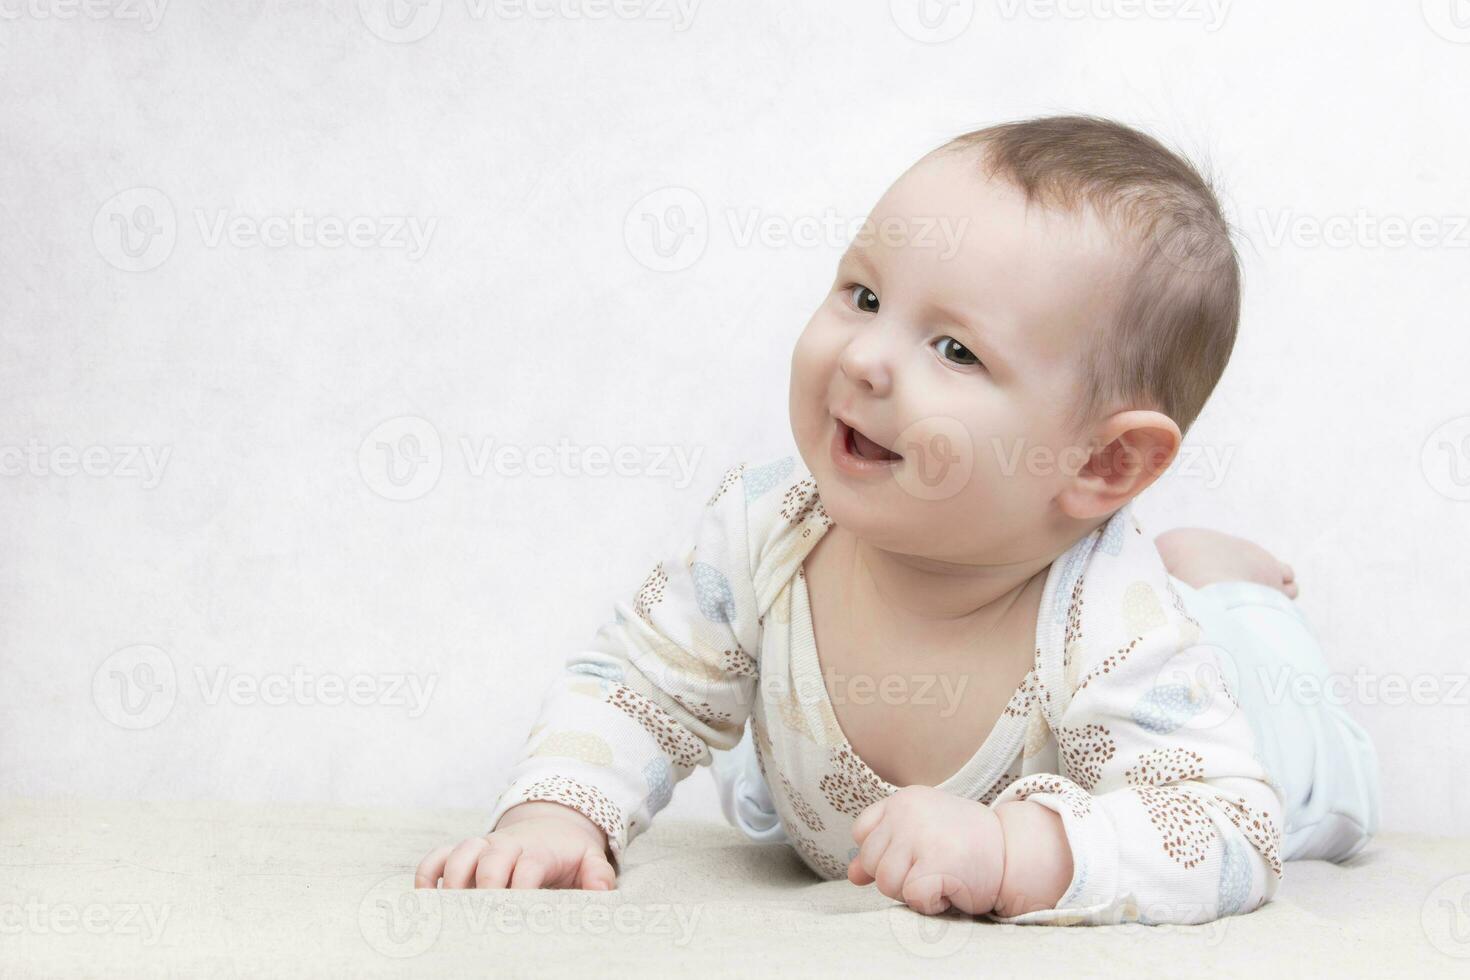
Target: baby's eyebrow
[[858, 254]]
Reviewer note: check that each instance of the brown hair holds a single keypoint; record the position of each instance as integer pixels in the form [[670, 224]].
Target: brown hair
[[1176, 324]]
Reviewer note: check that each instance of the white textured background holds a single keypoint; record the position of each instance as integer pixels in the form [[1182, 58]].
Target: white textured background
[[524, 149]]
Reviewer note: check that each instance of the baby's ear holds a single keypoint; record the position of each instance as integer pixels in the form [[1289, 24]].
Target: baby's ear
[[1128, 452]]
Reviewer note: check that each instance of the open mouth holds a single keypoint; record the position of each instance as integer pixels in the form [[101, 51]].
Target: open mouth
[[864, 448]]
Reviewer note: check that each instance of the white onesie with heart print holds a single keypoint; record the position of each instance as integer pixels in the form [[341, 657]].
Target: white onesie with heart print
[[1125, 725]]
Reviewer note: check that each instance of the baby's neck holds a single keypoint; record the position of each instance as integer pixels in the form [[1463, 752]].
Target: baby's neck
[[921, 592]]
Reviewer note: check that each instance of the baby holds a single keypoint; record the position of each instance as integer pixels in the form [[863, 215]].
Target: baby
[[972, 424]]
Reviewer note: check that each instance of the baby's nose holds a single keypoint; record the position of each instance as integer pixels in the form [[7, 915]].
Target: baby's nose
[[866, 365]]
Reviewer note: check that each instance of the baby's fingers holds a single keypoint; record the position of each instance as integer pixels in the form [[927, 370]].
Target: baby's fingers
[[459, 870], [596, 873], [496, 863], [865, 865], [432, 867], [894, 870], [531, 870], [866, 821], [924, 892]]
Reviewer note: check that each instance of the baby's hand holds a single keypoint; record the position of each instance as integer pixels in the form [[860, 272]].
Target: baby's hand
[[539, 844], [930, 850]]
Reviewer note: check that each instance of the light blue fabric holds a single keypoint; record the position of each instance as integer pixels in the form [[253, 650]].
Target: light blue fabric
[[1324, 761]]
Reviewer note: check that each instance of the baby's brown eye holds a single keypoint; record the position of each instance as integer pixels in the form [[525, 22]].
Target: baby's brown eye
[[864, 298], [955, 351]]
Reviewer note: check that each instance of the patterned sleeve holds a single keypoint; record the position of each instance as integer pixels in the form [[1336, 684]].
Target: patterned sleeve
[[670, 677], [1168, 812]]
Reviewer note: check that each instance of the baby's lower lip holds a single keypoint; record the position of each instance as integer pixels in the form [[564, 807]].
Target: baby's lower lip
[[848, 460]]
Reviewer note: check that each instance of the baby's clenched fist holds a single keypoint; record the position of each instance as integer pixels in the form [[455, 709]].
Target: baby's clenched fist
[[930, 850]]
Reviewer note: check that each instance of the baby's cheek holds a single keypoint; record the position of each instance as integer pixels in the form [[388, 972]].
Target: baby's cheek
[[940, 455], [818, 351], [810, 368]]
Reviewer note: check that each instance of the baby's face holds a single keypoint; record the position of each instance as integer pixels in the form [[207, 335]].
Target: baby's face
[[955, 366]]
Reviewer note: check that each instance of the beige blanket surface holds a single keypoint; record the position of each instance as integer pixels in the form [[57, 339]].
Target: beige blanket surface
[[198, 889]]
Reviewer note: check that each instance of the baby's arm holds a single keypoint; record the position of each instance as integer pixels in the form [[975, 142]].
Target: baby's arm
[[1038, 859], [1169, 815], [672, 676], [1164, 814]]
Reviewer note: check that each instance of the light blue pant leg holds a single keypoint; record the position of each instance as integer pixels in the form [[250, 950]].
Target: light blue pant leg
[[1324, 761]]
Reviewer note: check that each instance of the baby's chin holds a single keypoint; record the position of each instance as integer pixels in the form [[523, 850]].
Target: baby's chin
[[888, 514], [878, 509]]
